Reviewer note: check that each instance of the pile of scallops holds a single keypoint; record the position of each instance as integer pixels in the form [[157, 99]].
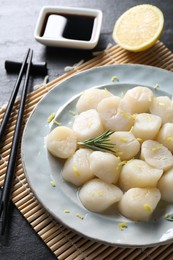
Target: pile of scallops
[[139, 172]]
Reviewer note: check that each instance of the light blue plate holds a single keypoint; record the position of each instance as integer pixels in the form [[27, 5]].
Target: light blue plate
[[41, 168]]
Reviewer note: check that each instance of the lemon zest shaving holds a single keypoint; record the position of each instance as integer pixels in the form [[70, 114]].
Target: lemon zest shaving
[[123, 139], [134, 116], [122, 225], [80, 216], [72, 113], [66, 211], [56, 122], [131, 129], [169, 139], [156, 86], [51, 117], [106, 90], [53, 184], [115, 78], [125, 115], [139, 139], [148, 208], [76, 171], [156, 148], [122, 163]]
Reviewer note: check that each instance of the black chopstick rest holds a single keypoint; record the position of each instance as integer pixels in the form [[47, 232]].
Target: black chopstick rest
[[38, 68]]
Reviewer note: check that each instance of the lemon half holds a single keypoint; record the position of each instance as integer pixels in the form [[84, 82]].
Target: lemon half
[[139, 27]]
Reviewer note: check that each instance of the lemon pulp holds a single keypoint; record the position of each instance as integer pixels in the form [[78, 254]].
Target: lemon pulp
[[139, 27]]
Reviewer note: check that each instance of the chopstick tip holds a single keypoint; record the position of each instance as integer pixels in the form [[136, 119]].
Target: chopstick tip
[[2, 227]]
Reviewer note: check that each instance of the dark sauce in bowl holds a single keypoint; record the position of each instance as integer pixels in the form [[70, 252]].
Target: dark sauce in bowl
[[78, 27]]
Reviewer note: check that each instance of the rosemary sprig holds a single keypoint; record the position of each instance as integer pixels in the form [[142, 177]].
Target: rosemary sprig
[[99, 143]]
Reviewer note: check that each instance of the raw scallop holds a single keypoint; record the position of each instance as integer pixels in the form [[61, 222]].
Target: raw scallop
[[87, 125], [97, 195], [137, 173], [62, 142], [139, 203], [105, 166], [77, 168]]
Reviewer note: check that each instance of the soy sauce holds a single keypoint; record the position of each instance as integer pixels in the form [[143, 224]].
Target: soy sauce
[[78, 27]]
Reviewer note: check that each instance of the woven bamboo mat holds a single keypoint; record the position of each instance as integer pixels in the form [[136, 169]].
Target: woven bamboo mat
[[65, 243]]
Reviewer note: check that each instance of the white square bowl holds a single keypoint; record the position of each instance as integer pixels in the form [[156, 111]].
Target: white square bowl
[[52, 22]]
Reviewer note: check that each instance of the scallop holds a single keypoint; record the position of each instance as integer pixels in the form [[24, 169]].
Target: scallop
[[76, 169], [138, 174], [146, 126], [88, 125], [165, 136], [137, 100], [105, 166], [90, 99], [112, 117], [165, 185], [138, 204], [156, 155], [97, 195], [162, 106], [126, 145], [62, 142]]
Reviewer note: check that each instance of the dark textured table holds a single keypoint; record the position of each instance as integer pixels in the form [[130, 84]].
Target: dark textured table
[[17, 23]]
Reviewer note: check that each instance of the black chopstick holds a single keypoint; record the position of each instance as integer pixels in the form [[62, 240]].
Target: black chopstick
[[6, 190], [13, 97]]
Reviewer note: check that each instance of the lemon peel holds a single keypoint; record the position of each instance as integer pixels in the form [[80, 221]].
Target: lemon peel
[[139, 27]]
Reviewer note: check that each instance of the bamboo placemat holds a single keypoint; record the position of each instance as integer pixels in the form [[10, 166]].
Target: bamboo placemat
[[65, 243]]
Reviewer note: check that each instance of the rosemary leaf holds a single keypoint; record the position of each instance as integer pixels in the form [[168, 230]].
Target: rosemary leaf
[[99, 143]]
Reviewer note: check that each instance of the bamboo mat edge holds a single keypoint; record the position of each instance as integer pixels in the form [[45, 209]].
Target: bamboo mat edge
[[64, 243]]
